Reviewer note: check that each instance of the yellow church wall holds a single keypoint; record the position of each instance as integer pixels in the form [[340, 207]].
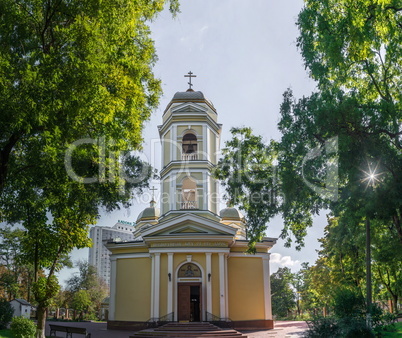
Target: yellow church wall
[[133, 289], [213, 196], [215, 284], [165, 201], [198, 258], [182, 129], [166, 148], [246, 288], [163, 285]]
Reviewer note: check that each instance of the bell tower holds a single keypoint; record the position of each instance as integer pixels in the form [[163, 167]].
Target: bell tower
[[190, 137]]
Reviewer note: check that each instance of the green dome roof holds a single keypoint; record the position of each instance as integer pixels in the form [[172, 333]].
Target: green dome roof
[[150, 213], [231, 214]]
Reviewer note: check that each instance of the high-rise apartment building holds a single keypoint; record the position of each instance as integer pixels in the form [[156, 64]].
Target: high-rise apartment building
[[98, 253]]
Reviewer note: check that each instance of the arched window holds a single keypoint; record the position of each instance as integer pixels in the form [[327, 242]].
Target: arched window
[[189, 194], [189, 147], [189, 270]]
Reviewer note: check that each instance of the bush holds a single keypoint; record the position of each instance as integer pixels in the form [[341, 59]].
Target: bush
[[23, 327], [322, 327], [349, 303], [6, 313]]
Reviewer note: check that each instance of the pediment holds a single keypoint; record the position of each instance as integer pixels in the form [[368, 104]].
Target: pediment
[[188, 225], [189, 108]]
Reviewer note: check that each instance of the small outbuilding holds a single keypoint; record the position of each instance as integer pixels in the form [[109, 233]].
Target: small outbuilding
[[21, 308]]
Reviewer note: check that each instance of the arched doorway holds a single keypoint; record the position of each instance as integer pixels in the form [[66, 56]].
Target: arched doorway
[[189, 293]]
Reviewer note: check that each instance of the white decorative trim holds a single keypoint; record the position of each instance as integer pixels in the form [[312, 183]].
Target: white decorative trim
[[222, 296], [208, 282], [157, 284], [170, 283], [190, 217], [244, 255], [189, 257], [267, 287], [152, 285], [206, 201], [112, 300], [226, 288], [189, 250], [173, 145], [131, 255]]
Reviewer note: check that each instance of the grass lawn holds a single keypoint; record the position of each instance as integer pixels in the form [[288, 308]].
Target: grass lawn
[[397, 333], [6, 334]]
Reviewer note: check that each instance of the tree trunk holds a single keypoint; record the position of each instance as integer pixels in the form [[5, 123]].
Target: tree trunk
[[394, 303], [40, 326]]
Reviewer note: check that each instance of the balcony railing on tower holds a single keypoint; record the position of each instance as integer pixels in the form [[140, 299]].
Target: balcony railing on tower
[[189, 156], [189, 205]]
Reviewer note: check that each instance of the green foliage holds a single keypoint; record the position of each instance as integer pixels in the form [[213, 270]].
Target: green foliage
[[76, 87], [81, 301], [86, 291], [322, 327], [248, 173], [348, 303], [6, 313], [283, 297], [44, 289], [23, 327]]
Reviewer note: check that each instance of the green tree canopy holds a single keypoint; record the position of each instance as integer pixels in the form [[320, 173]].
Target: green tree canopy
[[76, 85]]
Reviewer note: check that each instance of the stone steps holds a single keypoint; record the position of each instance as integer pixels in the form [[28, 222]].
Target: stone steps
[[190, 329]]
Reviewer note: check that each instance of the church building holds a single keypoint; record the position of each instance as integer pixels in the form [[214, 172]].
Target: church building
[[187, 261]]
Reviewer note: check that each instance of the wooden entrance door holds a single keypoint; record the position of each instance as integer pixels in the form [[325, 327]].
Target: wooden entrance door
[[189, 302]]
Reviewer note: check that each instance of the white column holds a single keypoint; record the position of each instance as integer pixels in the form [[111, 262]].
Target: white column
[[205, 143], [112, 300], [174, 145], [170, 284], [226, 287], [222, 295], [205, 192], [157, 283], [267, 287], [208, 281], [172, 193], [152, 284]]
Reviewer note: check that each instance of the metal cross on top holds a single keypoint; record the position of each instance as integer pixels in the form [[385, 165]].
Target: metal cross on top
[[190, 75], [153, 192]]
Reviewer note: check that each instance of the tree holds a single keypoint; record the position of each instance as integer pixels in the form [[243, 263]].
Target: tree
[[282, 293], [15, 276], [248, 173], [87, 284], [352, 49], [76, 85], [6, 313], [81, 302]]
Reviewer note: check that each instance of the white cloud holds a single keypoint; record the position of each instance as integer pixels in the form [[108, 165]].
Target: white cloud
[[284, 261]]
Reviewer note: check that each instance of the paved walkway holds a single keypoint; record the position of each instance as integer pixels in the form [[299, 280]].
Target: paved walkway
[[282, 329]]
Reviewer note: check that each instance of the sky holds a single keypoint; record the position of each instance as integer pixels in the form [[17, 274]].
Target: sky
[[244, 55]]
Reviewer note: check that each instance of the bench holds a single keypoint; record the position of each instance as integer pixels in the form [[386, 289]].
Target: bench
[[69, 330]]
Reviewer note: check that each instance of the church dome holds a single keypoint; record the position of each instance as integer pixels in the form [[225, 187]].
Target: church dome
[[189, 95], [149, 214], [230, 213]]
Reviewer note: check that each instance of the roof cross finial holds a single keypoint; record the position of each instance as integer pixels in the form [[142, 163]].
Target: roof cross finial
[[190, 75], [153, 192], [152, 204]]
